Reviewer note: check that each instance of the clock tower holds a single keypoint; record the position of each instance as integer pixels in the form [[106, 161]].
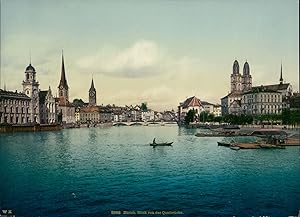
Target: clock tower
[[31, 89], [92, 95]]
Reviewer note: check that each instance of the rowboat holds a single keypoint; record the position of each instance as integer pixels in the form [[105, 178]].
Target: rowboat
[[161, 144], [235, 148], [224, 144]]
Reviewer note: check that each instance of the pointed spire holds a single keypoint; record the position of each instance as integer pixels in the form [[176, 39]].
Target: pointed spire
[[281, 79], [92, 85], [63, 80]]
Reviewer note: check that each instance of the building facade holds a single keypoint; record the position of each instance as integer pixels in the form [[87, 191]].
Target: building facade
[[192, 103], [261, 100], [15, 107], [48, 107]]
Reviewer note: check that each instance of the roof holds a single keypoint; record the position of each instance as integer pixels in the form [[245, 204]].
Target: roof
[[275, 87], [89, 109], [92, 86], [246, 69], [13, 95], [62, 101], [30, 68], [191, 102], [235, 68], [206, 103], [235, 102]]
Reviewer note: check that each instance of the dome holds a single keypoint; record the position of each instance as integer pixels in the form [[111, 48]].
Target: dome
[[30, 68], [236, 68], [246, 69]]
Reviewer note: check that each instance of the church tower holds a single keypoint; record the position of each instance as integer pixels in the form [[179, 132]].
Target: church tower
[[247, 79], [92, 94], [31, 89], [63, 88], [281, 79], [236, 78]]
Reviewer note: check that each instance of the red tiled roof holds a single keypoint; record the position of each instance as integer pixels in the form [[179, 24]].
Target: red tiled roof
[[192, 102]]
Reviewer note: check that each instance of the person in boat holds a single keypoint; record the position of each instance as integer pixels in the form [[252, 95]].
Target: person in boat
[[154, 141]]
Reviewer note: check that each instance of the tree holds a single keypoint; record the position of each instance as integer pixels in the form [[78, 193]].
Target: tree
[[286, 116], [144, 107], [78, 103], [190, 117]]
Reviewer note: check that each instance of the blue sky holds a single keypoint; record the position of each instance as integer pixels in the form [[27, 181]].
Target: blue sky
[[159, 51]]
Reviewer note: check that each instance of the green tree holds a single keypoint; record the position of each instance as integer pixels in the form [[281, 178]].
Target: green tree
[[190, 117], [286, 116], [78, 103], [144, 106]]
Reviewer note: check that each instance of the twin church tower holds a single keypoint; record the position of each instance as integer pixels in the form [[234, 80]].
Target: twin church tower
[[240, 83]]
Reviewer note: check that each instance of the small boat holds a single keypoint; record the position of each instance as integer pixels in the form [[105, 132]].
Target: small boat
[[161, 144], [224, 144], [236, 148]]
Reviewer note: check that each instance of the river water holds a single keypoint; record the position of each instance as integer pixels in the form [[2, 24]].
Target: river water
[[94, 171]]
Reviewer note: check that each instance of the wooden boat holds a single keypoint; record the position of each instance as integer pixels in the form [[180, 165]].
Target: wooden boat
[[161, 144], [234, 148], [224, 144], [271, 146]]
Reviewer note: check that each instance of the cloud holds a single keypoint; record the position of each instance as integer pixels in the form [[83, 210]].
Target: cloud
[[143, 59]]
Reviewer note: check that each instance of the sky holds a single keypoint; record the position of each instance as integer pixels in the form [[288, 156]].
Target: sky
[[159, 51]]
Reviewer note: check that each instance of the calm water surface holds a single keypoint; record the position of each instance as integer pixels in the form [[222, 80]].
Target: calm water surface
[[90, 172]]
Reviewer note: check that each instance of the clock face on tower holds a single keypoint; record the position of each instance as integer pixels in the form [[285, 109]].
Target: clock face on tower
[[92, 94]]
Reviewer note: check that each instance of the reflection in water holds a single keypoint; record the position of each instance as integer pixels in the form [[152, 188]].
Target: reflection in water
[[95, 170]]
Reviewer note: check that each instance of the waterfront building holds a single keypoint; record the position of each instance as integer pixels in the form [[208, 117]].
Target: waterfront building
[[90, 114], [217, 110], [211, 108], [77, 114], [105, 114], [133, 113], [261, 100], [169, 116], [148, 115], [191, 103], [48, 107], [65, 108], [31, 89], [92, 95], [14, 107]]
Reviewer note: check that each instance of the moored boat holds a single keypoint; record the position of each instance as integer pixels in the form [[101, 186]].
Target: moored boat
[[224, 144], [234, 147]]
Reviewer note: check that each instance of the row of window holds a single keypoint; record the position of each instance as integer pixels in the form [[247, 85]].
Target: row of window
[[14, 120], [16, 102], [16, 110]]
